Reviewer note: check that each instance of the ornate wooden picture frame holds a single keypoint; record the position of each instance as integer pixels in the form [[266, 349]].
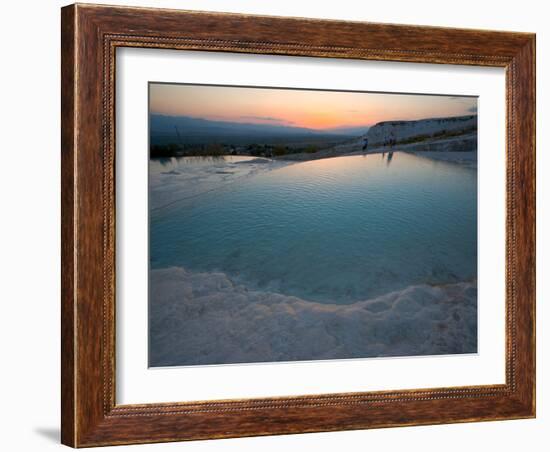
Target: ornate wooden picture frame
[[90, 37]]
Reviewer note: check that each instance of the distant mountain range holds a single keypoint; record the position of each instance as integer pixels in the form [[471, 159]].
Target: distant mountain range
[[348, 130], [163, 128]]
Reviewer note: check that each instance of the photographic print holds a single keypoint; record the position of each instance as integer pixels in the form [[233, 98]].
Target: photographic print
[[298, 224]]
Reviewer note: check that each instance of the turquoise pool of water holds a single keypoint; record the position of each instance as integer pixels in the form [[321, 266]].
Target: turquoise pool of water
[[335, 230]]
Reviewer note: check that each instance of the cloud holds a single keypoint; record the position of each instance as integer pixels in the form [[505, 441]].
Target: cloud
[[267, 119], [473, 109]]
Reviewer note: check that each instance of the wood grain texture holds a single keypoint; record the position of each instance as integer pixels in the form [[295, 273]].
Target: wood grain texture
[[90, 36]]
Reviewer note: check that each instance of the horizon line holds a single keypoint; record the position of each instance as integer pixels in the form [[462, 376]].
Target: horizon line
[[291, 126]]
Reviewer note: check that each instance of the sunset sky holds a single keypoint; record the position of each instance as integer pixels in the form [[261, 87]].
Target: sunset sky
[[300, 108]]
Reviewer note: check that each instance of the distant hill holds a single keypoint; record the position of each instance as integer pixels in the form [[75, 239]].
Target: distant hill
[[431, 135], [411, 131], [348, 130], [195, 130]]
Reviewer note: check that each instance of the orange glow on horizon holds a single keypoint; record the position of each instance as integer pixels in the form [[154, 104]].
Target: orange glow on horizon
[[311, 109]]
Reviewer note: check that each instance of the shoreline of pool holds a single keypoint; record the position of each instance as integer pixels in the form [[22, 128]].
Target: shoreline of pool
[[245, 324], [461, 149]]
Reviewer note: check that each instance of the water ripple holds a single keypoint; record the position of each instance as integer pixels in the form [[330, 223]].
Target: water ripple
[[343, 229]]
